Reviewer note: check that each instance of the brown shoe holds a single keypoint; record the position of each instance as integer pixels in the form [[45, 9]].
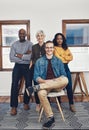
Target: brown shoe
[[26, 107], [13, 111], [72, 108]]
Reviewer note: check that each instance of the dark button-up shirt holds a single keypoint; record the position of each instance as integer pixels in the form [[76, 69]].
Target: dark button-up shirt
[[37, 52]]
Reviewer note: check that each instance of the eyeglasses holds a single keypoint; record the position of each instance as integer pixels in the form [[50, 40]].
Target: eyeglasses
[[49, 47]]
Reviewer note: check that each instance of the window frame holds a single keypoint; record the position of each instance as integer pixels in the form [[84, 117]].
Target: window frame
[[12, 22], [73, 21]]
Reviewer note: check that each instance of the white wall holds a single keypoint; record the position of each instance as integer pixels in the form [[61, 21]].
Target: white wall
[[43, 14], [5, 83]]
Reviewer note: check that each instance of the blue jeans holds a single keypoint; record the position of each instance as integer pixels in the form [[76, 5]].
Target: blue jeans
[[19, 71], [69, 86]]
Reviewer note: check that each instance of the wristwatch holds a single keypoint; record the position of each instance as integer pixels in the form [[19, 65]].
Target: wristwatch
[[16, 55]]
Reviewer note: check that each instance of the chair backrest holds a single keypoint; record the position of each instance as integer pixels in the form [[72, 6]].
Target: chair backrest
[[56, 94]]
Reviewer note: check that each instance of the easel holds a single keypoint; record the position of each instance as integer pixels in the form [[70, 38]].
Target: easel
[[81, 80]]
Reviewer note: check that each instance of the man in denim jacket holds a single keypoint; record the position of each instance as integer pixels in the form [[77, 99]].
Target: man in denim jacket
[[50, 74]]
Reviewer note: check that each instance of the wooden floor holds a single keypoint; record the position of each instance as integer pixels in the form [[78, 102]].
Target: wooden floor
[[77, 98]]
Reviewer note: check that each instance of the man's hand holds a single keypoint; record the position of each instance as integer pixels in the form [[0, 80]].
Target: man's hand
[[48, 80], [19, 55], [30, 64], [28, 52]]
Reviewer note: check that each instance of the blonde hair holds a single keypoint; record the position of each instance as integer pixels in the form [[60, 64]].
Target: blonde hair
[[40, 32]]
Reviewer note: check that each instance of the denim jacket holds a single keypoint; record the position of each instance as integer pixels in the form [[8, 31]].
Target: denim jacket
[[41, 64]]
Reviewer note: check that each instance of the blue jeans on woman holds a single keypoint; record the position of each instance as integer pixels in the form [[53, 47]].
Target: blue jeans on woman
[[19, 71]]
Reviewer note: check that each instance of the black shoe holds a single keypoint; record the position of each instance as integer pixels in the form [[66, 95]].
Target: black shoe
[[36, 88], [29, 90], [49, 124]]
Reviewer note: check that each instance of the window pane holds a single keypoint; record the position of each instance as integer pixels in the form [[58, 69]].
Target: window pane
[[5, 58], [77, 34]]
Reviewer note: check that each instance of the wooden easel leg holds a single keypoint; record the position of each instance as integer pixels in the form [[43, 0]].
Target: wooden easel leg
[[80, 85], [84, 84], [75, 82]]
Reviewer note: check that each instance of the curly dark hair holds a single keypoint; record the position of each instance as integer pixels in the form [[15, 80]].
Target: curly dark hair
[[64, 45]]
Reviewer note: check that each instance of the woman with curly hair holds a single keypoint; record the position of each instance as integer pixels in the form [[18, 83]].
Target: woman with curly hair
[[62, 51]]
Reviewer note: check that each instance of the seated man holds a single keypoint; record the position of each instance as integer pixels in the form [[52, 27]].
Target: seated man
[[50, 74]]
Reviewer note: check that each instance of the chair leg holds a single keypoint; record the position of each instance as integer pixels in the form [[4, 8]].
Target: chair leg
[[60, 109], [41, 112]]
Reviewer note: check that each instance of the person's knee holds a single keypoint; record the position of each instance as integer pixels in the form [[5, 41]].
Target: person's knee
[[66, 80]]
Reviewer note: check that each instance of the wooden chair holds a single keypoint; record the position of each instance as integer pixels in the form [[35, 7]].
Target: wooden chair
[[54, 95], [21, 89]]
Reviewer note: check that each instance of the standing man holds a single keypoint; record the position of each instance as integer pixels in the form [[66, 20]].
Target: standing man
[[50, 75], [20, 54]]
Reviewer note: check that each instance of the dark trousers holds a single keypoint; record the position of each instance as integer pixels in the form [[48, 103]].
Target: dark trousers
[[36, 95], [19, 71], [35, 83], [69, 86]]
